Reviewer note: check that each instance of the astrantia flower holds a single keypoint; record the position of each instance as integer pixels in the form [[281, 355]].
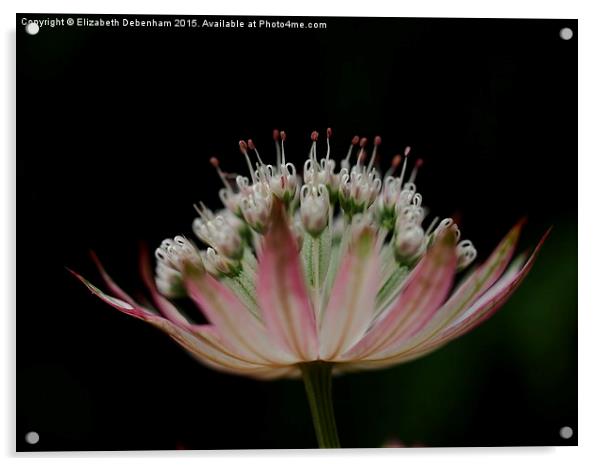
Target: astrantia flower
[[331, 271]]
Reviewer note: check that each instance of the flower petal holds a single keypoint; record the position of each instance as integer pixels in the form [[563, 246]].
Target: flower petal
[[115, 289], [423, 292], [238, 328], [494, 298], [351, 306], [281, 290], [436, 335], [205, 345], [202, 341], [129, 308], [466, 294]]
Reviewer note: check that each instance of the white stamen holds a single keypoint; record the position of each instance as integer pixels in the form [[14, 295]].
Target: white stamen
[[431, 226], [406, 152], [243, 148], [282, 139], [276, 137], [466, 253], [203, 211], [215, 162], [377, 142], [345, 161], [252, 146]]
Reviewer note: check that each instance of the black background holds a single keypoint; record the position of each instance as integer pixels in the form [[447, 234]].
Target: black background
[[115, 128]]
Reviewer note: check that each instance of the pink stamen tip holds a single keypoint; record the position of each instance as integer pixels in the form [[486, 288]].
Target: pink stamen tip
[[251, 144], [419, 163], [355, 140], [363, 142], [406, 152], [396, 161], [214, 161], [328, 132], [283, 136], [276, 135], [243, 146], [314, 136], [378, 140]]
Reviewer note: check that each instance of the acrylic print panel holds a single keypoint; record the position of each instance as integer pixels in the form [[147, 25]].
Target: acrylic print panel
[[357, 214]]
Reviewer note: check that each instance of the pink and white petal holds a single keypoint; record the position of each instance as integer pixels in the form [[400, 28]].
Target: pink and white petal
[[351, 306], [203, 342], [481, 279], [488, 273], [468, 292], [494, 298], [113, 287], [281, 290], [239, 330], [129, 308], [272, 373], [481, 310], [425, 289]]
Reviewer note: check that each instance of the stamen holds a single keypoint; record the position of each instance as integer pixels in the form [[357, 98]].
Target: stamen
[[252, 147], [361, 155], [394, 164], [203, 211], [313, 154], [406, 153], [328, 136], [276, 137], [283, 138], [377, 142], [215, 162], [417, 165], [466, 253], [431, 226], [243, 149], [354, 142]]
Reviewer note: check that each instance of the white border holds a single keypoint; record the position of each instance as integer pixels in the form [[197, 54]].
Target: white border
[[590, 228]]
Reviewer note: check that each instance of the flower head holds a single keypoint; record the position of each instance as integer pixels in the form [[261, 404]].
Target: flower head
[[334, 266]]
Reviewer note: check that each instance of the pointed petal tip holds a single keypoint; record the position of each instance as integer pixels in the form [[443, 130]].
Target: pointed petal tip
[[117, 303], [516, 230], [74, 273], [542, 240], [522, 221], [93, 255], [448, 238], [277, 215]]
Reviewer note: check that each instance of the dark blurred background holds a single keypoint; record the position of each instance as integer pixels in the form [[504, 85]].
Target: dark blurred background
[[115, 129]]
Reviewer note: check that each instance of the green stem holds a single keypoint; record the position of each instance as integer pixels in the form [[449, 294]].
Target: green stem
[[318, 386]]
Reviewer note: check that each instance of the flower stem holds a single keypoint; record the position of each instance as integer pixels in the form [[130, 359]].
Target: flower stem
[[318, 386]]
